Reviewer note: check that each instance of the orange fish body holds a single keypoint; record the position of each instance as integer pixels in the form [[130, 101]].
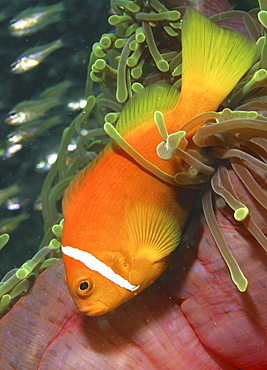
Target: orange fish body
[[118, 193], [121, 222]]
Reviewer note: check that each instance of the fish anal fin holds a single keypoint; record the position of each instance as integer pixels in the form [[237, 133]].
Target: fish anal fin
[[153, 231]]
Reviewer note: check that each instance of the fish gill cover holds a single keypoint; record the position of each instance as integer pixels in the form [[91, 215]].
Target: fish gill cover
[[141, 47]]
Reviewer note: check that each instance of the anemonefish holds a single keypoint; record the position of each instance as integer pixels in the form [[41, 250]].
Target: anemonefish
[[121, 222]]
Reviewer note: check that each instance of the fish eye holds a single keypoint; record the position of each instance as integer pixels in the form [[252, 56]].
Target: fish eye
[[83, 285]]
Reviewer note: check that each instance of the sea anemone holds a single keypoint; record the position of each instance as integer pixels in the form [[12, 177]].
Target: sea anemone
[[143, 49]]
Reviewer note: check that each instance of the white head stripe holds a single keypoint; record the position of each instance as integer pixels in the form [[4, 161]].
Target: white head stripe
[[94, 264]]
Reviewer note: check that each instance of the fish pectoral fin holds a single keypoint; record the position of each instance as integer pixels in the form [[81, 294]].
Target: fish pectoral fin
[[153, 231]]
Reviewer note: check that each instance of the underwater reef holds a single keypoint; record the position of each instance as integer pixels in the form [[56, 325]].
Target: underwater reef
[[208, 309]]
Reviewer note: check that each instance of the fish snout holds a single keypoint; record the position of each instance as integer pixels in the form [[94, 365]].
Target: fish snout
[[94, 309]]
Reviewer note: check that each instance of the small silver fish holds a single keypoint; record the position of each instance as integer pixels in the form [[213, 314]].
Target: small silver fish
[[10, 150], [29, 110], [34, 56], [57, 90], [35, 19], [11, 223], [8, 192], [31, 130]]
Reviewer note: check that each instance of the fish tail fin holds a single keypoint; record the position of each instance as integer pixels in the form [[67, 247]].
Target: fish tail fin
[[214, 58]]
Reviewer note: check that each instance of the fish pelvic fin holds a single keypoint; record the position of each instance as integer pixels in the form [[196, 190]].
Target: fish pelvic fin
[[213, 58], [153, 231], [142, 106]]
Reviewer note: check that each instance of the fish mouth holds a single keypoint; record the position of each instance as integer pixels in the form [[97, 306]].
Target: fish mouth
[[94, 309]]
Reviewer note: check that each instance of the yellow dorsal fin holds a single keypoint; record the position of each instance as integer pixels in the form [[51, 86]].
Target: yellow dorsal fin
[[142, 106], [213, 58], [153, 231]]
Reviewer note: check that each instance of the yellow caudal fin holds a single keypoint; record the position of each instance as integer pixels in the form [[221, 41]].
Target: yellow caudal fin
[[153, 231], [213, 58]]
